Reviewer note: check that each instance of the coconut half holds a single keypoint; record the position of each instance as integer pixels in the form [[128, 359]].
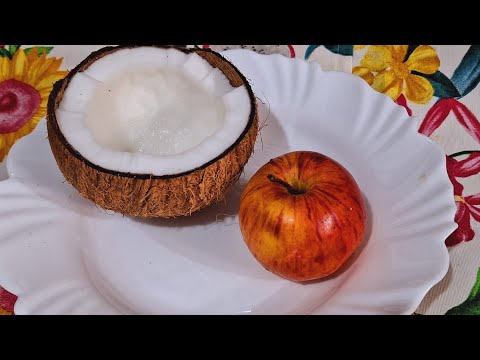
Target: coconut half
[[152, 131]]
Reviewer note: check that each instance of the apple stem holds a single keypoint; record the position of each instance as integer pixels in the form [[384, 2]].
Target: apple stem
[[292, 190]]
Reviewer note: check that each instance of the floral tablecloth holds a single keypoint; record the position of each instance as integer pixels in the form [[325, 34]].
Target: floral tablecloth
[[437, 84]]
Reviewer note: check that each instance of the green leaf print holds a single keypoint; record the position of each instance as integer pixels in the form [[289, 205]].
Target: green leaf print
[[471, 306], [442, 86], [5, 53], [345, 50], [41, 49], [13, 48], [467, 76]]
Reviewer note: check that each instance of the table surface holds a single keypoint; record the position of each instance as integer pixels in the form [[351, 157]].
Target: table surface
[[438, 84]]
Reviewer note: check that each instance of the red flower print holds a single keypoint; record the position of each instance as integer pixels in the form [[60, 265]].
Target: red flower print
[[435, 117], [7, 302], [18, 104], [439, 112], [467, 207], [467, 119], [402, 101]]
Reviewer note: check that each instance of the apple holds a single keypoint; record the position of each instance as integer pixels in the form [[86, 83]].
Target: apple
[[302, 215]]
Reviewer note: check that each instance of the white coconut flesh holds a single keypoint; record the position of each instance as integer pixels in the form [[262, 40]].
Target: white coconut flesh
[[152, 111]]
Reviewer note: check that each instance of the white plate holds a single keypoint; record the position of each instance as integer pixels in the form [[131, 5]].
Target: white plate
[[60, 254]]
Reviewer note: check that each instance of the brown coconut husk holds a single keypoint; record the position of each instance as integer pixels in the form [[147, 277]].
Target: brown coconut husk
[[146, 195]]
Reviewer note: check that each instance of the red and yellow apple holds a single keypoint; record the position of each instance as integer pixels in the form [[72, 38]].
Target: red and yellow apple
[[302, 215]]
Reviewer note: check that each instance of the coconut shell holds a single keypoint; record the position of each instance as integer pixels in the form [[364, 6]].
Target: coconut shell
[[146, 195]]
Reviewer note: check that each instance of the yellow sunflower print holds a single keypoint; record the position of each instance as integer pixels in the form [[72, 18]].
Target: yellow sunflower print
[[26, 81], [396, 75]]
